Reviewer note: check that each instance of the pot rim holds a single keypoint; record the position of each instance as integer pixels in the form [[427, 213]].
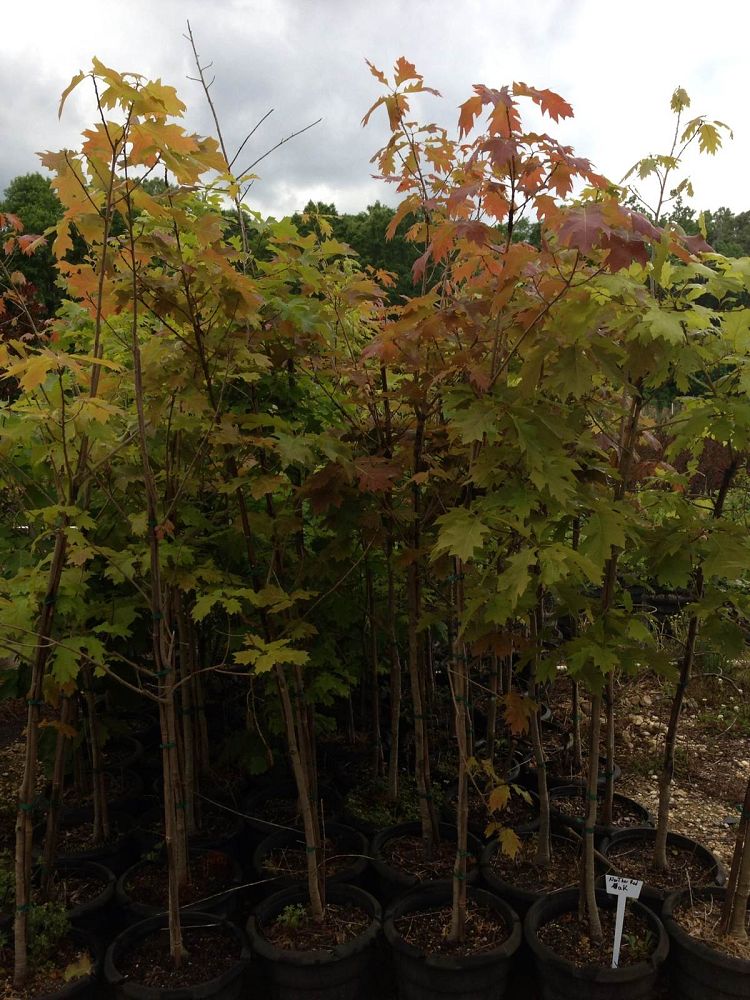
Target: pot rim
[[565, 900], [704, 950], [442, 889]]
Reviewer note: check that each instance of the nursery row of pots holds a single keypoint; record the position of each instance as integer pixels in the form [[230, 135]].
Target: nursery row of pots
[[354, 968]]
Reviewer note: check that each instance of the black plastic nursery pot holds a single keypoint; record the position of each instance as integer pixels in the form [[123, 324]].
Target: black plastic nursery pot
[[422, 976], [341, 972], [641, 815], [392, 881], [698, 971], [92, 916], [349, 845], [229, 985], [222, 903], [519, 898], [560, 979], [643, 838], [149, 834]]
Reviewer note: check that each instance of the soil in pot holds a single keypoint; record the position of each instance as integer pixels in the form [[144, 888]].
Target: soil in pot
[[211, 873], [700, 916], [119, 784], [428, 930], [73, 888], [568, 938], [406, 854], [521, 871], [295, 930], [704, 964], [211, 952], [570, 967], [568, 805], [688, 864], [369, 808]]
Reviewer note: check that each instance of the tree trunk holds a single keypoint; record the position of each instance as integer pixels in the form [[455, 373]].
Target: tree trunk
[[460, 691], [587, 898], [734, 911], [67, 707]]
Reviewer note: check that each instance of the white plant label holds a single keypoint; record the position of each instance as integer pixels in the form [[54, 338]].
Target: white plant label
[[624, 889]]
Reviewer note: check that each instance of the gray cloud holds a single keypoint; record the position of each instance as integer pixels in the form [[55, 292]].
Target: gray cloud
[[305, 58]]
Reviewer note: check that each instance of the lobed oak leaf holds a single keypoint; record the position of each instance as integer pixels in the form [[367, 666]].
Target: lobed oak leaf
[[8, 218], [469, 111], [377, 73], [404, 70], [550, 102]]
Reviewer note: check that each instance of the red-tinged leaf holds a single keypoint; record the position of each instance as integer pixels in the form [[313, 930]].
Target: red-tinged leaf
[[479, 378], [374, 107], [696, 244], [550, 102], [407, 207], [518, 712], [474, 231], [622, 251], [396, 105], [17, 278], [29, 243], [9, 246], [325, 488], [377, 73], [501, 151], [561, 179], [641, 225], [419, 265], [13, 221], [495, 203], [584, 227], [164, 529], [376, 474], [404, 70], [469, 111], [442, 241]]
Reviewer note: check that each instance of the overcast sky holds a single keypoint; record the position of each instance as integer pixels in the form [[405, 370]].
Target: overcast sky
[[616, 61]]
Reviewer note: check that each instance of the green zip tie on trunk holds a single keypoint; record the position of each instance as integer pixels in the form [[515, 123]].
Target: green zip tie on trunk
[[460, 876], [23, 908], [464, 854], [180, 805], [592, 798], [157, 616], [311, 850], [163, 673], [50, 600], [38, 702], [589, 829], [167, 746]]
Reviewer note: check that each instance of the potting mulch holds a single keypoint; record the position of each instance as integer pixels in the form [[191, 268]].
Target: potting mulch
[[569, 939], [701, 921], [406, 854], [292, 861], [428, 930], [73, 889], [70, 961], [210, 873], [369, 803], [283, 812], [210, 953], [522, 872], [117, 785], [295, 930], [574, 807], [633, 860], [79, 839]]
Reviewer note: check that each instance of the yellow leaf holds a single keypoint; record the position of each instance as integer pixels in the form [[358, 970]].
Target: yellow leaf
[[510, 843], [499, 798], [71, 86], [82, 966]]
